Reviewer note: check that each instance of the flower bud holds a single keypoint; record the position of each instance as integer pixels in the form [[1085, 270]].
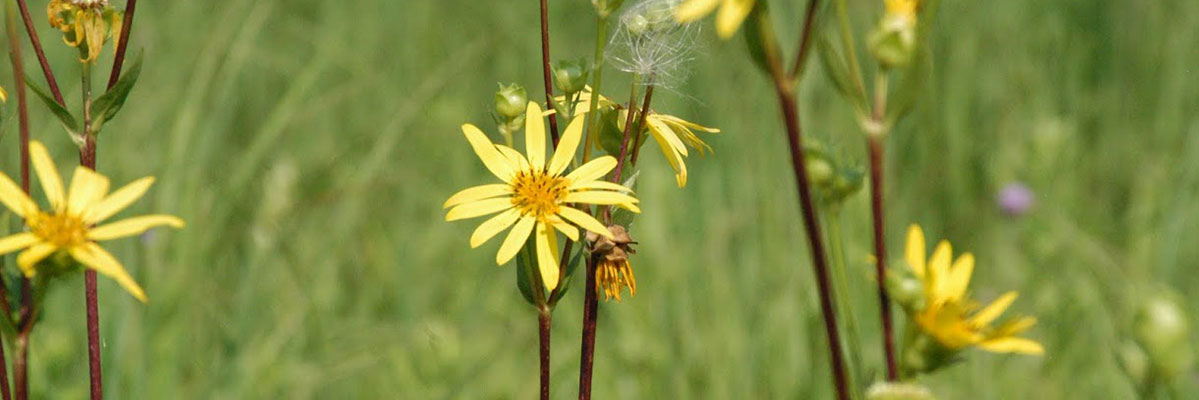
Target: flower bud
[[820, 172], [570, 76], [1161, 329], [905, 289], [898, 391], [893, 42], [510, 101]]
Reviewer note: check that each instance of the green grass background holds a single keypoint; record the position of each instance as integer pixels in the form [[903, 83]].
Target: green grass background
[[310, 144]]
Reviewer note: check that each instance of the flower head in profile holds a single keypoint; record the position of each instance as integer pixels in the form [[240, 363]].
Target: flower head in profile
[[673, 134], [613, 273], [955, 321], [534, 194], [69, 225], [728, 18], [85, 24]]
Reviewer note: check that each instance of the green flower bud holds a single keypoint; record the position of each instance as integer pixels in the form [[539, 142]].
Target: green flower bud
[[924, 354], [510, 101], [898, 391], [570, 76], [604, 8], [1161, 329], [820, 172], [906, 289], [893, 42]]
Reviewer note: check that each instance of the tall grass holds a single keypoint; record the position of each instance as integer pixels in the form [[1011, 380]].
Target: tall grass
[[309, 144]]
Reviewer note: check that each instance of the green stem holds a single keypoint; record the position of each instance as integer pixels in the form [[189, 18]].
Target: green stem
[[597, 72], [851, 53], [841, 297]]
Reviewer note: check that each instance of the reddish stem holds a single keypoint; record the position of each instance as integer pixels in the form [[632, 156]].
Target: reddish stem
[[545, 63], [880, 250], [41, 55], [543, 328]]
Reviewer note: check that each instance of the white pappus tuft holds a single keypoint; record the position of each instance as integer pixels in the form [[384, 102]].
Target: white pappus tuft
[[651, 43]]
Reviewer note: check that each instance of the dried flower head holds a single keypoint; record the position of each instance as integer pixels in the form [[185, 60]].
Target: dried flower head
[[85, 24], [613, 272]]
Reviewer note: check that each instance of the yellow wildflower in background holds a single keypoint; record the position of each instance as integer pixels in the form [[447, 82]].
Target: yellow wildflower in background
[[732, 13], [902, 8], [534, 194], [86, 23], [69, 224], [955, 321]]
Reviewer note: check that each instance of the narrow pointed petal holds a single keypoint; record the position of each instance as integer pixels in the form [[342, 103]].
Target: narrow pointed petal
[[535, 136], [567, 229], [518, 161], [611, 198], [731, 15], [16, 242], [1012, 345], [663, 131], [584, 220], [31, 256], [87, 188], [133, 226], [938, 268], [959, 276], [601, 185], [493, 226], [477, 193], [487, 152], [914, 253], [47, 173], [675, 159], [694, 9], [118, 200], [592, 170], [478, 208], [15, 199], [993, 310], [567, 145], [547, 260], [515, 240], [100, 260]]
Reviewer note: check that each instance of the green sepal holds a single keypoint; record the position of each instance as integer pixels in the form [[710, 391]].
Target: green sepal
[[839, 73], [524, 269], [572, 266], [68, 121], [108, 104]]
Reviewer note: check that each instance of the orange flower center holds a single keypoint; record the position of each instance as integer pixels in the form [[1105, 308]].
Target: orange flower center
[[538, 194], [62, 230]]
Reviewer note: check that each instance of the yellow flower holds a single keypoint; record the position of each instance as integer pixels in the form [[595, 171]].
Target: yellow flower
[[955, 321], [534, 196], [69, 224], [732, 13], [902, 8], [85, 22], [672, 133]]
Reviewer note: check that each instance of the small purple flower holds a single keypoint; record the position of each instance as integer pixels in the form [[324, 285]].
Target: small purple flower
[[1015, 199]]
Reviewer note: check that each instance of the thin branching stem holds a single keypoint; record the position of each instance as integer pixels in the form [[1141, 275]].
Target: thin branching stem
[[545, 63], [41, 55], [18, 69], [875, 144]]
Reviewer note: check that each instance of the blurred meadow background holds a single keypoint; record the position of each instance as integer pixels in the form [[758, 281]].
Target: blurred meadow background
[[310, 145]]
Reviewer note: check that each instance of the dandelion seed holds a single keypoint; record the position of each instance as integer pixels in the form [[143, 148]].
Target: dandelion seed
[[69, 224], [534, 194], [651, 43]]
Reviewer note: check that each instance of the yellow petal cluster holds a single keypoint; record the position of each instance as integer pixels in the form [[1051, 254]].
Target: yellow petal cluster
[[86, 23], [729, 17], [950, 317], [69, 224], [536, 196]]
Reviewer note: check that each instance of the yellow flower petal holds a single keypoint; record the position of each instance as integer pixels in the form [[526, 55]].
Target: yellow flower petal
[[567, 229], [584, 220], [487, 152], [101, 261], [605, 185], [16, 242], [993, 310], [31, 256], [132, 226], [47, 173], [87, 187], [674, 158], [914, 253], [478, 208], [661, 130], [515, 240], [611, 198], [547, 259], [515, 159], [567, 145], [1012, 345], [535, 136], [592, 170], [477, 193], [938, 269], [118, 200], [15, 199], [731, 15], [493, 226], [959, 277], [694, 9]]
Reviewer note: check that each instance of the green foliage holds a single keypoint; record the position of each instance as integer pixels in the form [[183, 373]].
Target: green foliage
[[109, 104]]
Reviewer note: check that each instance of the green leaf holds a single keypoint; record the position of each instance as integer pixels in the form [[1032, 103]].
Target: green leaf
[[524, 267], [760, 39], [108, 104], [910, 86], [840, 74], [568, 276], [64, 116]]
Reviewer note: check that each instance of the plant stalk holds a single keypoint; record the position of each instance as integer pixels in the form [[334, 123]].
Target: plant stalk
[[637, 138], [845, 309], [545, 62], [41, 55], [597, 70], [87, 158], [590, 319], [18, 68], [543, 325], [874, 142]]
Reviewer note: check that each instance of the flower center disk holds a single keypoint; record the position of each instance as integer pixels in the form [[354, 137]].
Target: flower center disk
[[61, 230], [538, 194]]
